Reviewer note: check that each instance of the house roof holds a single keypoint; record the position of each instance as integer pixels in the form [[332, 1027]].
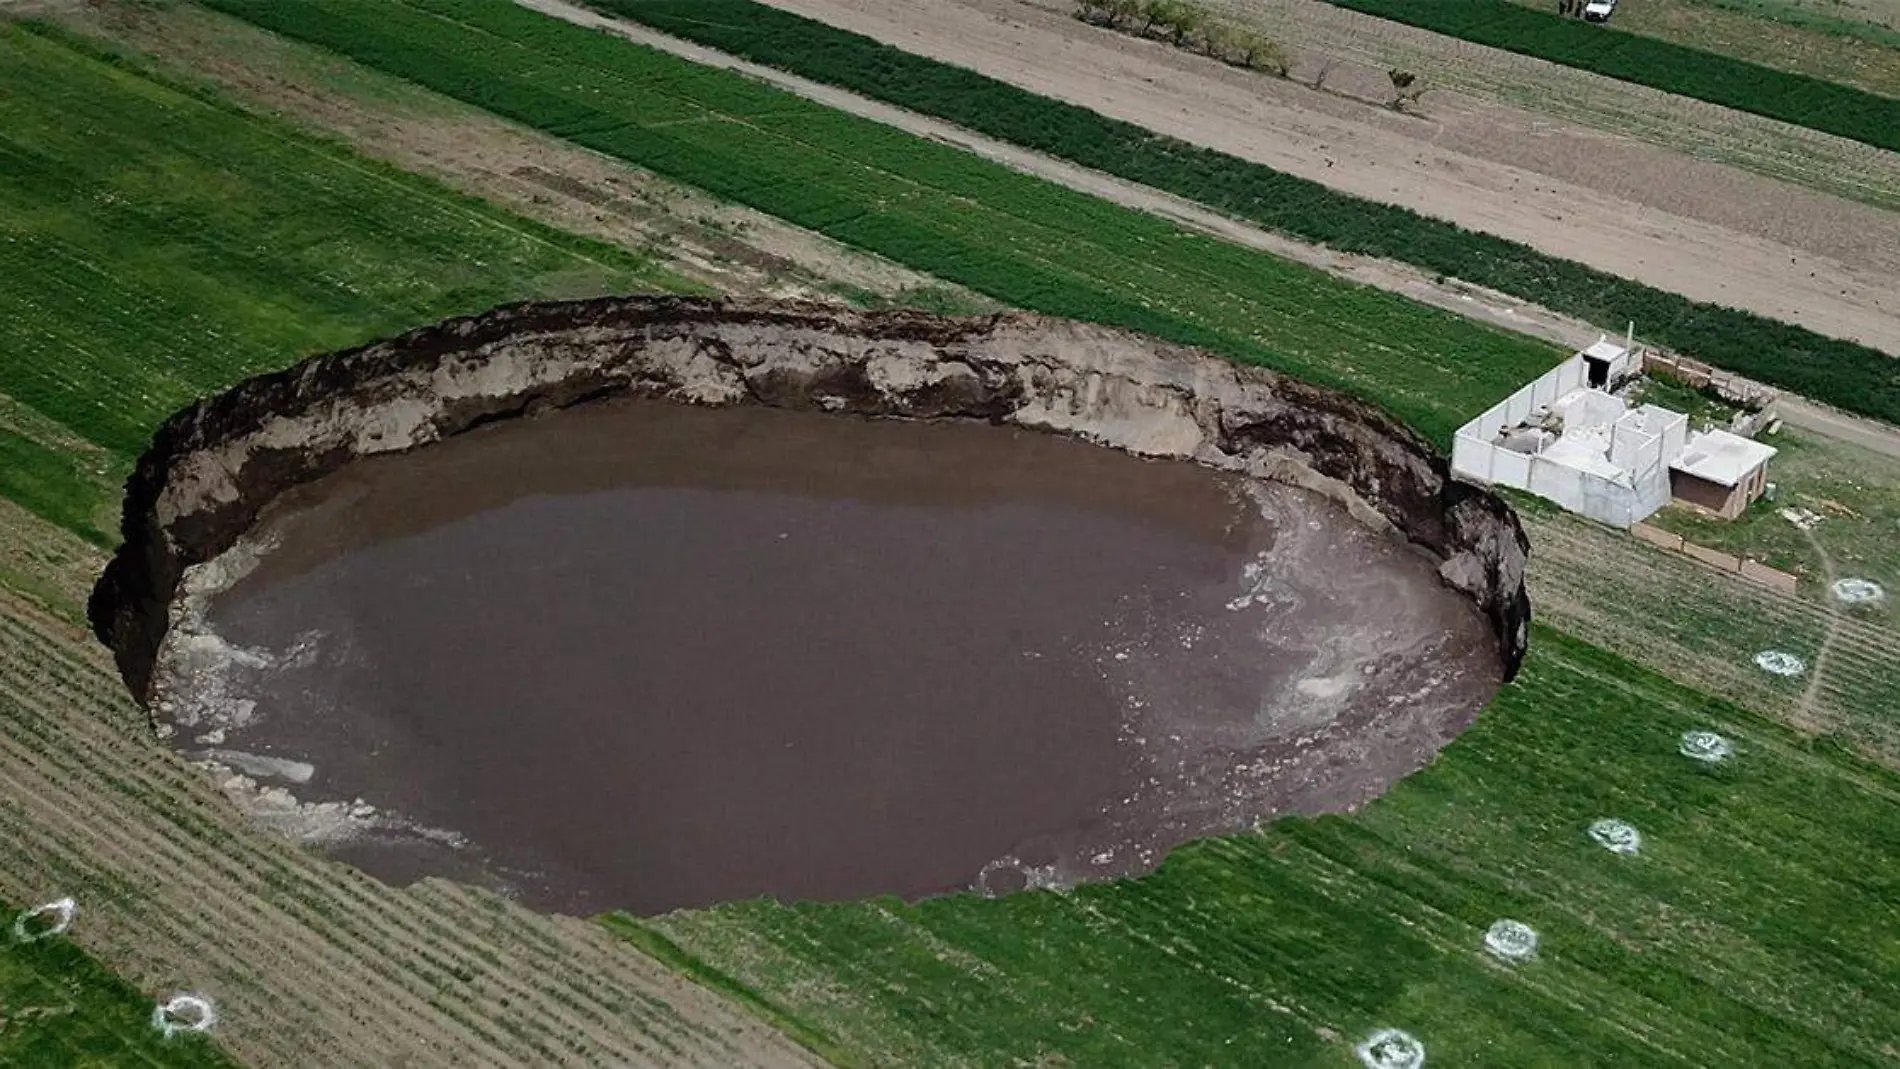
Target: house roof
[[1721, 457], [1605, 350]]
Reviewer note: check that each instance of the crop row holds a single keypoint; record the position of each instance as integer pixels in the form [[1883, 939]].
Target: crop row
[[1801, 99], [60, 1007], [1021, 240], [157, 245], [1745, 932], [1841, 373]]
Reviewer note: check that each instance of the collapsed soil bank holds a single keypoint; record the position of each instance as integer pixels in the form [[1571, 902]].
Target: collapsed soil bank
[[214, 465], [219, 466]]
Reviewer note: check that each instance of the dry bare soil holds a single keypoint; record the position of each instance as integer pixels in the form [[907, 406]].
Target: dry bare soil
[[1583, 178]]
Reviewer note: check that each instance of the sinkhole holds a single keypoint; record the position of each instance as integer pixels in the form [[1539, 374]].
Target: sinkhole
[[648, 652]]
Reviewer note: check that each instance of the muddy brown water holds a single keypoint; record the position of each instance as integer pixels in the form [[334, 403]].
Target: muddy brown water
[[649, 656]]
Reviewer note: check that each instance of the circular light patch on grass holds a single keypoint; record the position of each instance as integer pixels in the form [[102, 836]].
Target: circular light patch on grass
[[1704, 746], [184, 1013], [1390, 1048], [1857, 591], [1511, 940], [1616, 836], [42, 922], [1778, 663]]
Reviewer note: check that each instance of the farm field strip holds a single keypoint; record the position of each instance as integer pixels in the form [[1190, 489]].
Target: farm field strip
[[1799, 99], [715, 244], [1820, 161], [1351, 923], [1689, 622], [60, 1007], [1843, 373], [166, 868], [1018, 239], [134, 216], [1821, 40]]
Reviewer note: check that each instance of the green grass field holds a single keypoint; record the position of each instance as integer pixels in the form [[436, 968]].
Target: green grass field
[[60, 1009], [1800, 99], [1756, 926], [1842, 373], [1018, 239], [159, 244]]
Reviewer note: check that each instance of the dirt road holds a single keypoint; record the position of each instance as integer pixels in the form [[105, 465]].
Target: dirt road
[[1473, 302], [1698, 228]]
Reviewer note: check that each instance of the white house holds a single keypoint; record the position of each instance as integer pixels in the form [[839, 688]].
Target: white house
[[1565, 438]]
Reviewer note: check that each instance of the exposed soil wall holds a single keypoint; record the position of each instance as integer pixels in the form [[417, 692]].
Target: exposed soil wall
[[215, 464]]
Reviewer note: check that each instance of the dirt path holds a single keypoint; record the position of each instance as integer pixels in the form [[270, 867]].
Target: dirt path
[[1470, 301], [723, 246], [1820, 419], [1698, 228], [1804, 713]]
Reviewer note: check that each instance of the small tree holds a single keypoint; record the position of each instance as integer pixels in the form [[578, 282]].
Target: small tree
[[1184, 20], [1267, 55], [1156, 12], [1110, 13], [1217, 40]]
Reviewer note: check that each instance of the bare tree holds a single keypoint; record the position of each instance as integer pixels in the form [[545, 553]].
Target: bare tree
[[1323, 72], [1405, 88]]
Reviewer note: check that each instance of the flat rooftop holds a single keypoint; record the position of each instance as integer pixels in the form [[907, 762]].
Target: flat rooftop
[[1721, 457], [1604, 350]]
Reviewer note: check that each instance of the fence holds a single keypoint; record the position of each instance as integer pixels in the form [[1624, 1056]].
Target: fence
[[1751, 570], [1756, 400]]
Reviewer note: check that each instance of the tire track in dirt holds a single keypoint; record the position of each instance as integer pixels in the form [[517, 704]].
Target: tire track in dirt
[[1582, 578]]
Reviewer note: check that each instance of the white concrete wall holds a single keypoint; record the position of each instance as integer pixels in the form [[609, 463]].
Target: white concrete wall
[[1473, 454], [1475, 457]]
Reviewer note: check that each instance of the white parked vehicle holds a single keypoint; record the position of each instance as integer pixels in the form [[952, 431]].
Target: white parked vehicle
[[1598, 10]]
